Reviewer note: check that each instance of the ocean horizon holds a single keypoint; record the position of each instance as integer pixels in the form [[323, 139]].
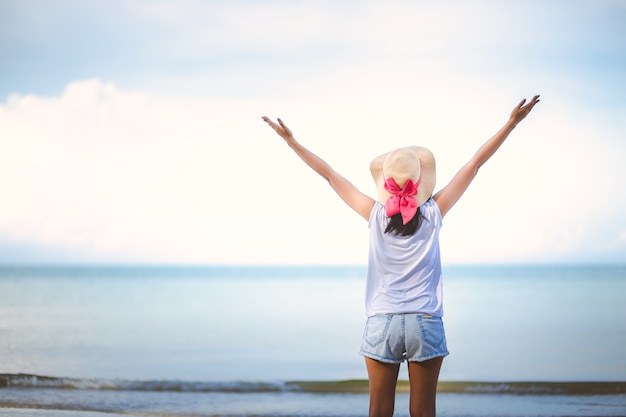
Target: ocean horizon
[[525, 340]]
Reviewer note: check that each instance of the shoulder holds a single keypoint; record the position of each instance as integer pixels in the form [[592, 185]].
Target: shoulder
[[430, 209], [378, 215], [377, 209]]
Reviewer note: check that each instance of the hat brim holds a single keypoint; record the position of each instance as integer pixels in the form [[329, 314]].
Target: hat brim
[[428, 172]]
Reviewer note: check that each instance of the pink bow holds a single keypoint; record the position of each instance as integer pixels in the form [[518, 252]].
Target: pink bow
[[402, 200]]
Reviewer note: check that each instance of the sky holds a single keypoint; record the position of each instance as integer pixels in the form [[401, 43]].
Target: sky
[[131, 132]]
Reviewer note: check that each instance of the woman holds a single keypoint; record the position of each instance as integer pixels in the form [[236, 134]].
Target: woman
[[403, 288]]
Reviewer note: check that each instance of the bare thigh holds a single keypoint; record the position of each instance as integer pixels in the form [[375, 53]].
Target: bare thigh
[[382, 382], [423, 377]]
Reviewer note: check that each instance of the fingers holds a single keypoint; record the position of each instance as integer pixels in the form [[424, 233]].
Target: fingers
[[271, 123], [268, 121], [523, 108], [530, 104], [283, 125], [279, 127], [534, 100]]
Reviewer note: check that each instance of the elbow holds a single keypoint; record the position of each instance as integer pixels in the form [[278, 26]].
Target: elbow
[[472, 168]]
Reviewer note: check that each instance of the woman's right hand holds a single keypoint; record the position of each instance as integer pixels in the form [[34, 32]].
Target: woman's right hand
[[280, 128]]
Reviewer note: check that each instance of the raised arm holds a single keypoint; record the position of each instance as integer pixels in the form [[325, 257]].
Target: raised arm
[[450, 194], [360, 202]]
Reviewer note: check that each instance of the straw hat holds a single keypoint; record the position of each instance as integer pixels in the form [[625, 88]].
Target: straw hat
[[403, 164]]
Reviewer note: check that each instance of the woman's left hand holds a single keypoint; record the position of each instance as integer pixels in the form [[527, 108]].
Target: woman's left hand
[[521, 111]]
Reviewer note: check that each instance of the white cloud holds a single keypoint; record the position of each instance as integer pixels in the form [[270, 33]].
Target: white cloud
[[135, 176], [171, 161]]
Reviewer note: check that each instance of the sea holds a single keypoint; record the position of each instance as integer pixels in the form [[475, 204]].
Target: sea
[[279, 341]]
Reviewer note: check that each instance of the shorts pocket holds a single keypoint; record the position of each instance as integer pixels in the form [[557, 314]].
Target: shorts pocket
[[432, 331], [376, 329]]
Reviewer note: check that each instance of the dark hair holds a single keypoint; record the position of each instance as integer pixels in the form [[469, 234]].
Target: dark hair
[[395, 224]]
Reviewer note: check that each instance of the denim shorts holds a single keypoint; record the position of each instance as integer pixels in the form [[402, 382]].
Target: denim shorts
[[392, 338]]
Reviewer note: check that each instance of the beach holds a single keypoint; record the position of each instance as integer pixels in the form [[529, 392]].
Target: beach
[[54, 402], [31, 395]]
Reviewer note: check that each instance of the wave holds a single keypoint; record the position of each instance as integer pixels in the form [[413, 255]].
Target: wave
[[38, 381], [31, 381]]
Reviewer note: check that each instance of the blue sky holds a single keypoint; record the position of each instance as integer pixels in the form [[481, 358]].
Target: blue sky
[[131, 131]]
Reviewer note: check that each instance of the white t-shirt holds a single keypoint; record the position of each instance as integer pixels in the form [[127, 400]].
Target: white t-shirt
[[404, 272]]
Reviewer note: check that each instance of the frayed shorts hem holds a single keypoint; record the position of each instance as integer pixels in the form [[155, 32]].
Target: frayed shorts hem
[[391, 360]]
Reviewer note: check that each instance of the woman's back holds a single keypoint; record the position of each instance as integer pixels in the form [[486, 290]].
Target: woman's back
[[404, 272]]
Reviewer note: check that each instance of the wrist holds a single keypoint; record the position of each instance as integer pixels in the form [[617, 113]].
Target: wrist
[[291, 141], [511, 123]]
